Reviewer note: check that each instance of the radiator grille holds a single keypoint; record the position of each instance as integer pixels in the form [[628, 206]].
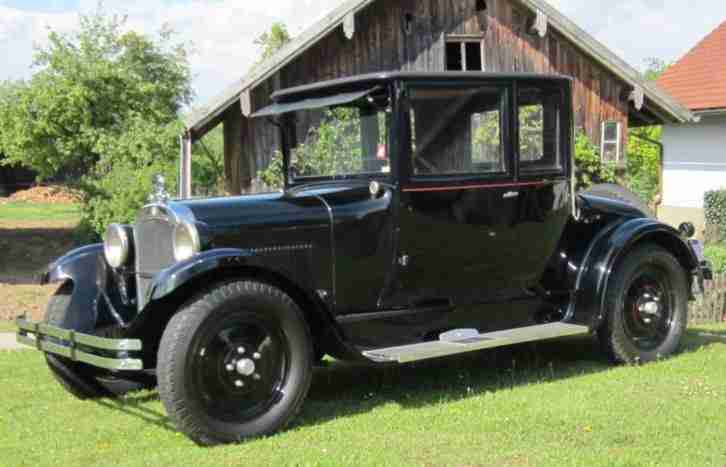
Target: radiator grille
[[154, 252]]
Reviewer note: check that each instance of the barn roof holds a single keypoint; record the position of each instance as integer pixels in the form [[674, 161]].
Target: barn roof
[[204, 117], [698, 80]]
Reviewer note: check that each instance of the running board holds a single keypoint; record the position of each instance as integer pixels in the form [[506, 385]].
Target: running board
[[468, 342]]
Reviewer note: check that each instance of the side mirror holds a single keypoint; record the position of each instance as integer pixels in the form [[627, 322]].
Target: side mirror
[[687, 230]]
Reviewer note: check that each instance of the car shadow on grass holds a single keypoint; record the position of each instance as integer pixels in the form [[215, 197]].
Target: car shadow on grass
[[343, 389]]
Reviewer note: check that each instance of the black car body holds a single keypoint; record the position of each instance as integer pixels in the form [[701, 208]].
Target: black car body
[[417, 252]]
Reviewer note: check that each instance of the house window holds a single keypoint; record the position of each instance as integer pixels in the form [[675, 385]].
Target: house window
[[610, 146], [464, 55]]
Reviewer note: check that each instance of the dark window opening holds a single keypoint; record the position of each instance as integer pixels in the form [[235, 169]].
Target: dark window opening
[[464, 56], [454, 60], [481, 6], [473, 56]]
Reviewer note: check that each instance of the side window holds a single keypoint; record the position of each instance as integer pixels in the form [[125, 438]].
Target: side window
[[457, 132], [610, 149], [539, 131]]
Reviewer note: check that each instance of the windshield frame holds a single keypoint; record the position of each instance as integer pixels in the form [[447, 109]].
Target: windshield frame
[[287, 127]]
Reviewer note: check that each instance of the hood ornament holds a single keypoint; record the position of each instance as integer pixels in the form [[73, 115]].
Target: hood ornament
[[159, 195]]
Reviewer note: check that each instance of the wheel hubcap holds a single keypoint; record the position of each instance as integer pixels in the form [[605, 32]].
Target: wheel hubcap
[[648, 308], [239, 367]]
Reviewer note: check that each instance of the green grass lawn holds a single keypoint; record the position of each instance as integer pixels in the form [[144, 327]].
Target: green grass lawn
[[555, 403], [23, 211]]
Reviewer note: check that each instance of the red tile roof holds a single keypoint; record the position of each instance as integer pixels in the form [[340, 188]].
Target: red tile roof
[[698, 80]]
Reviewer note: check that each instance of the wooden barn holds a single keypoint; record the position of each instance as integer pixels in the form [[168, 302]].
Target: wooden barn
[[363, 36]]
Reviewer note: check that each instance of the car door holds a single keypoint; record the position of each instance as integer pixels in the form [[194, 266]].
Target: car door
[[472, 231]]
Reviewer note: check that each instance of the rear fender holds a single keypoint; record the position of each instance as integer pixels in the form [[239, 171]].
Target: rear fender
[[86, 269], [604, 254]]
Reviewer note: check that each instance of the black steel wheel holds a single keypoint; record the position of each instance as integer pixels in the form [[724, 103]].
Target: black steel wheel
[[647, 306], [235, 363], [81, 380]]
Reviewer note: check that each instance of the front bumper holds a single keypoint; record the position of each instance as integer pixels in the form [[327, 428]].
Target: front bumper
[[110, 354]]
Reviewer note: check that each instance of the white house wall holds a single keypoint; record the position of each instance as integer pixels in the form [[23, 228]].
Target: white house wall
[[694, 161]]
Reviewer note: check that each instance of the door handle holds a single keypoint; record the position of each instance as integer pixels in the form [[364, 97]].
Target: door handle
[[511, 194]]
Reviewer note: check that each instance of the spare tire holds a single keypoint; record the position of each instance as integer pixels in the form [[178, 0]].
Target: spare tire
[[619, 193]]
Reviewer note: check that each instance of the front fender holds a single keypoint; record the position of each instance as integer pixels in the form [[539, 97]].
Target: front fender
[[86, 269], [604, 254], [172, 279]]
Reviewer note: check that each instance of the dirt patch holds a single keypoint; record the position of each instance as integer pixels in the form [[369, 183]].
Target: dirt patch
[[22, 299], [45, 194], [26, 249]]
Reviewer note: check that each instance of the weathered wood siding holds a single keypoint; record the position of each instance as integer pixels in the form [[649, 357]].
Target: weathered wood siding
[[381, 43]]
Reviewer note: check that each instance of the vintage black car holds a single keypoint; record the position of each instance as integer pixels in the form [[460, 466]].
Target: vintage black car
[[423, 215]]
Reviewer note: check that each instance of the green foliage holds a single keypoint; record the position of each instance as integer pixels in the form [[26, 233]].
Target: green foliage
[[331, 147], [590, 169], [715, 211], [654, 67], [643, 174], [272, 41], [716, 254], [87, 88], [208, 164], [120, 183]]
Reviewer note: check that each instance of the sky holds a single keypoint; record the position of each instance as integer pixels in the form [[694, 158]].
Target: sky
[[222, 31]]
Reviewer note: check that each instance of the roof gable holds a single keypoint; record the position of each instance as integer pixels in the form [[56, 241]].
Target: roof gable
[[698, 79], [203, 116]]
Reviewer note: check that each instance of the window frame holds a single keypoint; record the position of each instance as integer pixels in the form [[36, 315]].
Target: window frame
[[407, 175], [463, 40], [618, 143], [564, 143]]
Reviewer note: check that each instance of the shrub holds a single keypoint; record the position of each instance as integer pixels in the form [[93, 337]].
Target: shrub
[[590, 169], [715, 211], [716, 254], [643, 164]]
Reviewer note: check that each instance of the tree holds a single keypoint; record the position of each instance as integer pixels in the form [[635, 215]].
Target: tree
[[90, 87], [643, 166], [272, 41]]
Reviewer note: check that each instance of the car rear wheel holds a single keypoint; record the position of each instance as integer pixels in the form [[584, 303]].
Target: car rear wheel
[[80, 380], [235, 363], [647, 307]]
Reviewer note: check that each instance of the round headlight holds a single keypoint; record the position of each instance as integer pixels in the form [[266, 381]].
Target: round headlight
[[186, 241], [116, 245]]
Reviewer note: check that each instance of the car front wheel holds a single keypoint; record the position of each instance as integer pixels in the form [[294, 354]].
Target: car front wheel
[[647, 307], [235, 363]]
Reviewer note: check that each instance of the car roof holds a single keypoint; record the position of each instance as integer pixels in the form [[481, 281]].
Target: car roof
[[377, 79]]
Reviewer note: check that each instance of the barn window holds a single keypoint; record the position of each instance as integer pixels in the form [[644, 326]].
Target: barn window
[[610, 145], [464, 55]]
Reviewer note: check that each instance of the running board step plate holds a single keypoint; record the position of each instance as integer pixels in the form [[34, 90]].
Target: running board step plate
[[471, 343]]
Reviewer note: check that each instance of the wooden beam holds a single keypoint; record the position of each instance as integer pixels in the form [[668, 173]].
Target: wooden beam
[[540, 24], [232, 151], [185, 166], [349, 25], [245, 102]]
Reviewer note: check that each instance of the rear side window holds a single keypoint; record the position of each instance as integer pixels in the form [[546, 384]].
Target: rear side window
[[539, 116], [457, 131]]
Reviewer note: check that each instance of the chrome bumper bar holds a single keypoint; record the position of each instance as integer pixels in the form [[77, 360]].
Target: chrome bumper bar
[[92, 350]]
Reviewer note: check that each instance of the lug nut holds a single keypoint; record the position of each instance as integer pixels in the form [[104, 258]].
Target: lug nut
[[256, 377], [240, 350], [230, 367], [239, 383], [256, 356]]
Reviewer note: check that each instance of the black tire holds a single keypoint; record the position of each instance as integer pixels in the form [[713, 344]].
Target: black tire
[[81, 380], [646, 305], [242, 332], [619, 193]]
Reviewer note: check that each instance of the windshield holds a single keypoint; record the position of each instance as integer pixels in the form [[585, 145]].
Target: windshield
[[344, 141]]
